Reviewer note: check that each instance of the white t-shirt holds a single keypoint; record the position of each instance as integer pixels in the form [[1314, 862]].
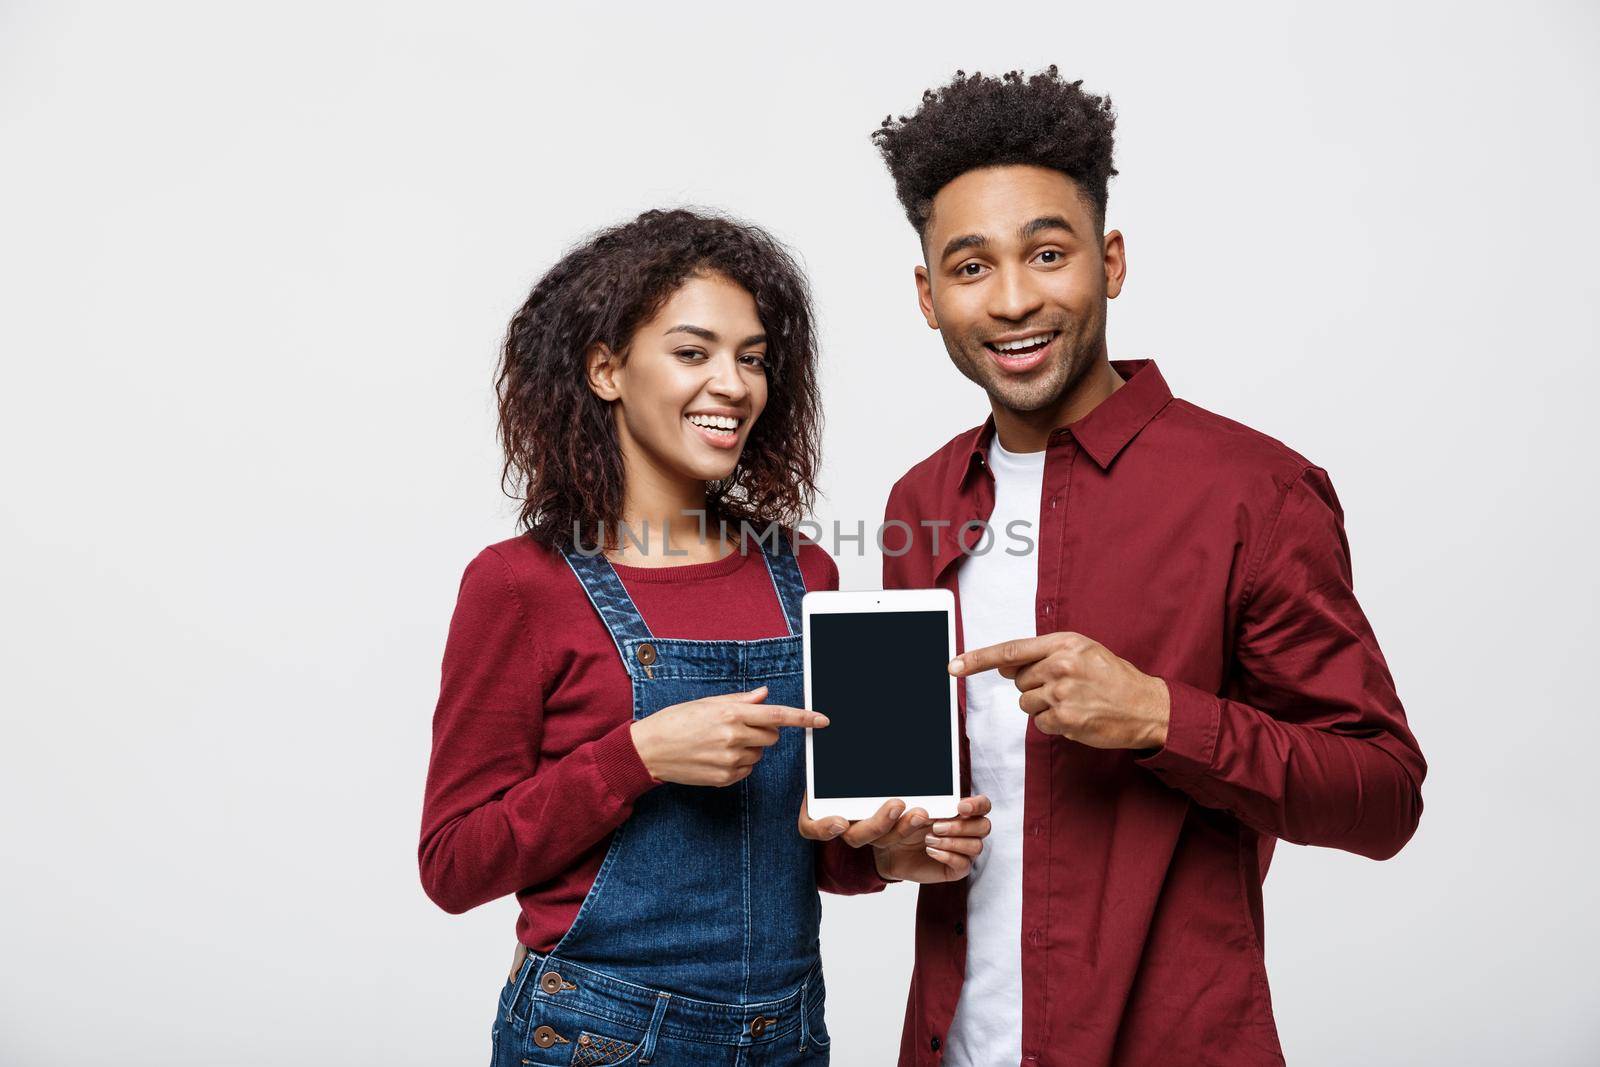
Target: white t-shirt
[[997, 604]]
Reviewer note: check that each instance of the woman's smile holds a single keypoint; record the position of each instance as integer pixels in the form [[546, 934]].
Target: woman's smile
[[718, 429]]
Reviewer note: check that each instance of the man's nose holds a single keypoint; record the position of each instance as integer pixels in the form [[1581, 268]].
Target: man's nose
[[1013, 296]]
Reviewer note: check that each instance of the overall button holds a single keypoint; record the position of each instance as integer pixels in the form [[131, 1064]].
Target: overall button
[[759, 1024], [646, 654], [551, 982], [544, 1037]]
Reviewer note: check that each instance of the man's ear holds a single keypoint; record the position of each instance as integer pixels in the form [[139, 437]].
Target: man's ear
[[1116, 260], [925, 297], [603, 365]]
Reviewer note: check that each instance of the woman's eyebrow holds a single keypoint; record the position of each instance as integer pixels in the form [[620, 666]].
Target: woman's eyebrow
[[711, 335], [698, 331]]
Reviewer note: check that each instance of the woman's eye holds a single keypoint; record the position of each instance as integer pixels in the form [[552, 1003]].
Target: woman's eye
[[689, 353], [756, 360]]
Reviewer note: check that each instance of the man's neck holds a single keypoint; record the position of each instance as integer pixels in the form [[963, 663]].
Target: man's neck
[[1029, 431]]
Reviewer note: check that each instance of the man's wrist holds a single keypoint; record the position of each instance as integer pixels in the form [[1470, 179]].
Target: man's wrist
[[1158, 713]]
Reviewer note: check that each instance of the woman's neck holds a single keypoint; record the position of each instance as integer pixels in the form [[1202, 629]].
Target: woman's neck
[[665, 524]]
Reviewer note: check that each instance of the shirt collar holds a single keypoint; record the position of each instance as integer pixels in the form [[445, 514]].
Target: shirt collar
[[1105, 431]]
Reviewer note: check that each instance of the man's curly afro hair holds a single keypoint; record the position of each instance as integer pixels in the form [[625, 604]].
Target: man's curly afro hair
[[978, 121]]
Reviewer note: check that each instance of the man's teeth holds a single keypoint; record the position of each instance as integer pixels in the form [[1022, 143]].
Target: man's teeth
[[1024, 345], [715, 422]]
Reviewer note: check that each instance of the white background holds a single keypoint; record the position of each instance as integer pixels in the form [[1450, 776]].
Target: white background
[[254, 264]]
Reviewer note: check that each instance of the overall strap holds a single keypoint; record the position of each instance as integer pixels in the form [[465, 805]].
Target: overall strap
[[605, 591], [784, 568]]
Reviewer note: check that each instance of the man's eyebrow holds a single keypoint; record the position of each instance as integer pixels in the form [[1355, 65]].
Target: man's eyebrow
[[965, 241], [1046, 222]]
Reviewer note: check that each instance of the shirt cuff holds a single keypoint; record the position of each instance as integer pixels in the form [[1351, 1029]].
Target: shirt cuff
[[1191, 731], [847, 870], [619, 764]]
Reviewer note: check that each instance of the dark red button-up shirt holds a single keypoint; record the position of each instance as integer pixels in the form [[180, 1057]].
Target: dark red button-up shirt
[[1213, 557]]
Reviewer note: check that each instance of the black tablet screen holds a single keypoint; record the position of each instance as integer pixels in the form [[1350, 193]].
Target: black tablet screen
[[880, 678]]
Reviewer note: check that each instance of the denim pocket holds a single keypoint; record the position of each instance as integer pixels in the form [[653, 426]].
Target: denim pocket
[[555, 1036], [594, 1050], [816, 1026]]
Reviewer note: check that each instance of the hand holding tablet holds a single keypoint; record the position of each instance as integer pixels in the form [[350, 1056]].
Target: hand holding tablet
[[888, 762]]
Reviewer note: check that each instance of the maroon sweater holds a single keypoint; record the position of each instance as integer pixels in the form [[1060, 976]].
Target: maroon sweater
[[533, 763]]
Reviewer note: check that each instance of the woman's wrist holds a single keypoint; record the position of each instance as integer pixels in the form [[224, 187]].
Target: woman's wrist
[[643, 745], [877, 864]]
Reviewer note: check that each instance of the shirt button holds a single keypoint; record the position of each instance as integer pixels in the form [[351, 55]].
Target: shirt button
[[1047, 609], [1053, 502], [1034, 937], [934, 1042], [1034, 829], [961, 928]]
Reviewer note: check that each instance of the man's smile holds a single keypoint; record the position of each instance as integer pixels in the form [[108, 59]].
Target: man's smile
[[1016, 353]]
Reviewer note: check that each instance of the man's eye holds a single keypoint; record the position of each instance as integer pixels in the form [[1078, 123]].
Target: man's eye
[[1054, 256], [971, 270]]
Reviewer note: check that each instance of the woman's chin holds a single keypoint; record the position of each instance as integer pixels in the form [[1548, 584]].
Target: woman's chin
[[704, 468]]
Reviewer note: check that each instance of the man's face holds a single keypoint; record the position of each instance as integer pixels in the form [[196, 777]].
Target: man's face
[[1016, 282]]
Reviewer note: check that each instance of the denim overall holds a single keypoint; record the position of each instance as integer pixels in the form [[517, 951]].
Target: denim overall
[[697, 945]]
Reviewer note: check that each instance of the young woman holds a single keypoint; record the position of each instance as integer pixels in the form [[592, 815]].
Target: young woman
[[615, 739]]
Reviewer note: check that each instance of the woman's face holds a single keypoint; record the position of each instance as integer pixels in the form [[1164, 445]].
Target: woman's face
[[693, 384]]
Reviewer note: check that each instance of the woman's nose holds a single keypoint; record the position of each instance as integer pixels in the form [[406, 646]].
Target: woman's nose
[[726, 381]]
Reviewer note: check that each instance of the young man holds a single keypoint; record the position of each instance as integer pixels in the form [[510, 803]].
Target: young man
[[1174, 678]]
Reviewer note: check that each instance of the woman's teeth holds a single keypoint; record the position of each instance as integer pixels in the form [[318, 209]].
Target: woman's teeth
[[1024, 346], [716, 423]]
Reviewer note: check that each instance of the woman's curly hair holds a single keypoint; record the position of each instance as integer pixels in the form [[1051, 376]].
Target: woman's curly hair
[[976, 121], [562, 456]]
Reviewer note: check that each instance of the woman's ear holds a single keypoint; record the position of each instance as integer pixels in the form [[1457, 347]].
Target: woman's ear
[[603, 366]]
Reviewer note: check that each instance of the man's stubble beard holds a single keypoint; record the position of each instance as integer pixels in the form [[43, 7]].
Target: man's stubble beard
[[1081, 350]]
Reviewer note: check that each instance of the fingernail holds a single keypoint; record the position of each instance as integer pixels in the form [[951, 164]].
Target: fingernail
[[838, 828], [918, 820], [942, 827], [933, 839], [819, 722], [955, 665], [965, 807]]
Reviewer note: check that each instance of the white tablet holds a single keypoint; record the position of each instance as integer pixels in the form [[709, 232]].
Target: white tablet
[[876, 666]]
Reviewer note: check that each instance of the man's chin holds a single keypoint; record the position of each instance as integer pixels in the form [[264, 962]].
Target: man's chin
[[1024, 396]]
